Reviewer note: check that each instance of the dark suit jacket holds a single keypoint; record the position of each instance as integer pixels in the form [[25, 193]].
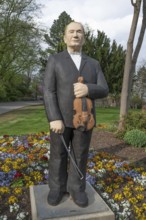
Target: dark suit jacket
[[60, 74]]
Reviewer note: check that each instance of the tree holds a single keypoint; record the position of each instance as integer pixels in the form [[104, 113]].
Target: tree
[[139, 85], [114, 69], [138, 46], [131, 59], [56, 33], [19, 45], [110, 56]]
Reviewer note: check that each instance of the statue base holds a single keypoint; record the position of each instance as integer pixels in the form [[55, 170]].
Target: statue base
[[67, 209]]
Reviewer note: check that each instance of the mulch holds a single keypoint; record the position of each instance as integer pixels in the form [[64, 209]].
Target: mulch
[[106, 141]]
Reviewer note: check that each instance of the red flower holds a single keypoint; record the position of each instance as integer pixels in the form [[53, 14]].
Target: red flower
[[5, 135], [17, 175], [44, 158]]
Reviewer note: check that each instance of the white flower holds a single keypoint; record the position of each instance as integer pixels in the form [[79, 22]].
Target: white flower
[[29, 169], [99, 186], [100, 175], [38, 168], [34, 164], [125, 204], [11, 208], [121, 216], [45, 165], [105, 195], [111, 201], [115, 207], [46, 171], [102, 170], [141, 180], [47, 146], [21, 215], [3, 217], [92, 171]]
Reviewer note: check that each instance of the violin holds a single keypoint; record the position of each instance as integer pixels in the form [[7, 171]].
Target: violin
[[83, 118]]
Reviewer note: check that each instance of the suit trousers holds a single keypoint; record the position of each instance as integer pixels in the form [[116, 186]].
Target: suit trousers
[[62, 174]]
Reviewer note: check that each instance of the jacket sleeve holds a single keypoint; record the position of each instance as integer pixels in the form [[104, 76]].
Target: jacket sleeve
[[50, 91], [100, 89]]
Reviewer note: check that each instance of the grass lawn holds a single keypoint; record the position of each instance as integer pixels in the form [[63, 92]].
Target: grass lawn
[[107, 115], [26, 120], [33, 119]]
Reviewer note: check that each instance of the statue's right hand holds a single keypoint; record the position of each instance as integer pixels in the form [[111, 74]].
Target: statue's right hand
[[57, 126]]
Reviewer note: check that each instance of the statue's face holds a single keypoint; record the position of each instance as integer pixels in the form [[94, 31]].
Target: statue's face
[[74, 36]]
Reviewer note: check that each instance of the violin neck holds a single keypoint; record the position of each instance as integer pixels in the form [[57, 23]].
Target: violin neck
[[84, 104]]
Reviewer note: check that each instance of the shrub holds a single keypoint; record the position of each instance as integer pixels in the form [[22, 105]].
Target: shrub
[[135, 137], [135, 120]]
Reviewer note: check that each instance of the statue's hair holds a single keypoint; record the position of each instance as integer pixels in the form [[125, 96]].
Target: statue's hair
[[76, 23]]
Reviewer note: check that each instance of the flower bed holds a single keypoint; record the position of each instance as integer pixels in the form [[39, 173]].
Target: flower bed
[[24, 162]]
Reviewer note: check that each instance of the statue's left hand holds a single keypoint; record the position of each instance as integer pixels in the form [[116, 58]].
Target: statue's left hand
[[80, 90]]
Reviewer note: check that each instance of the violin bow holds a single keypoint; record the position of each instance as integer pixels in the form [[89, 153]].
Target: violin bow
[[72, 159]]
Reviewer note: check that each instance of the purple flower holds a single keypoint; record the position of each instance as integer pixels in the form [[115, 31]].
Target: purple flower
[[91, 164], [90, 179]]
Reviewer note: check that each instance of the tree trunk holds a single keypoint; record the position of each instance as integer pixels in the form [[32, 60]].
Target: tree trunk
[[137, 49], [128, 62]]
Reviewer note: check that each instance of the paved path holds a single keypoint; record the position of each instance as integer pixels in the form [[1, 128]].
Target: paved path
[[9, 106]]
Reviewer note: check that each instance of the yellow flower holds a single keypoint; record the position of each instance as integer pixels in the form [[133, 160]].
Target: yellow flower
[[20, 160], [27, 178], [23, 165], [101, 126], [8, 160], [108, 189], [17, 191], [138, 210], [144, 206], [126, 188], [116, 186], [140, 197], [5, 168], [142, 217], [30, 183], [4, 189], [127, 194], [118, 196], [2, 141], [133, 200], [143, 173], [139, 188], [12, 200], [35, 141], [4, 149], [37, 176], [11, 138], [139, 169], [41, 141], [99, 165], [16, 166]]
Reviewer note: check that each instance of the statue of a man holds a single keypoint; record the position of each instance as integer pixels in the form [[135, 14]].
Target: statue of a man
[[61, 87]]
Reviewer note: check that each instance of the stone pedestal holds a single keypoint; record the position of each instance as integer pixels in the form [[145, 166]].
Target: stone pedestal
[[67, 209]]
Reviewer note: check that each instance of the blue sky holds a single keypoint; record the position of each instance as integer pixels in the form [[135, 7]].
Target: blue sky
[[114, 17]]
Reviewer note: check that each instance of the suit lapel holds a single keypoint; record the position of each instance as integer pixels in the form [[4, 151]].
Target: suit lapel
[[72, 69], [70, 62], [83, 62]]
